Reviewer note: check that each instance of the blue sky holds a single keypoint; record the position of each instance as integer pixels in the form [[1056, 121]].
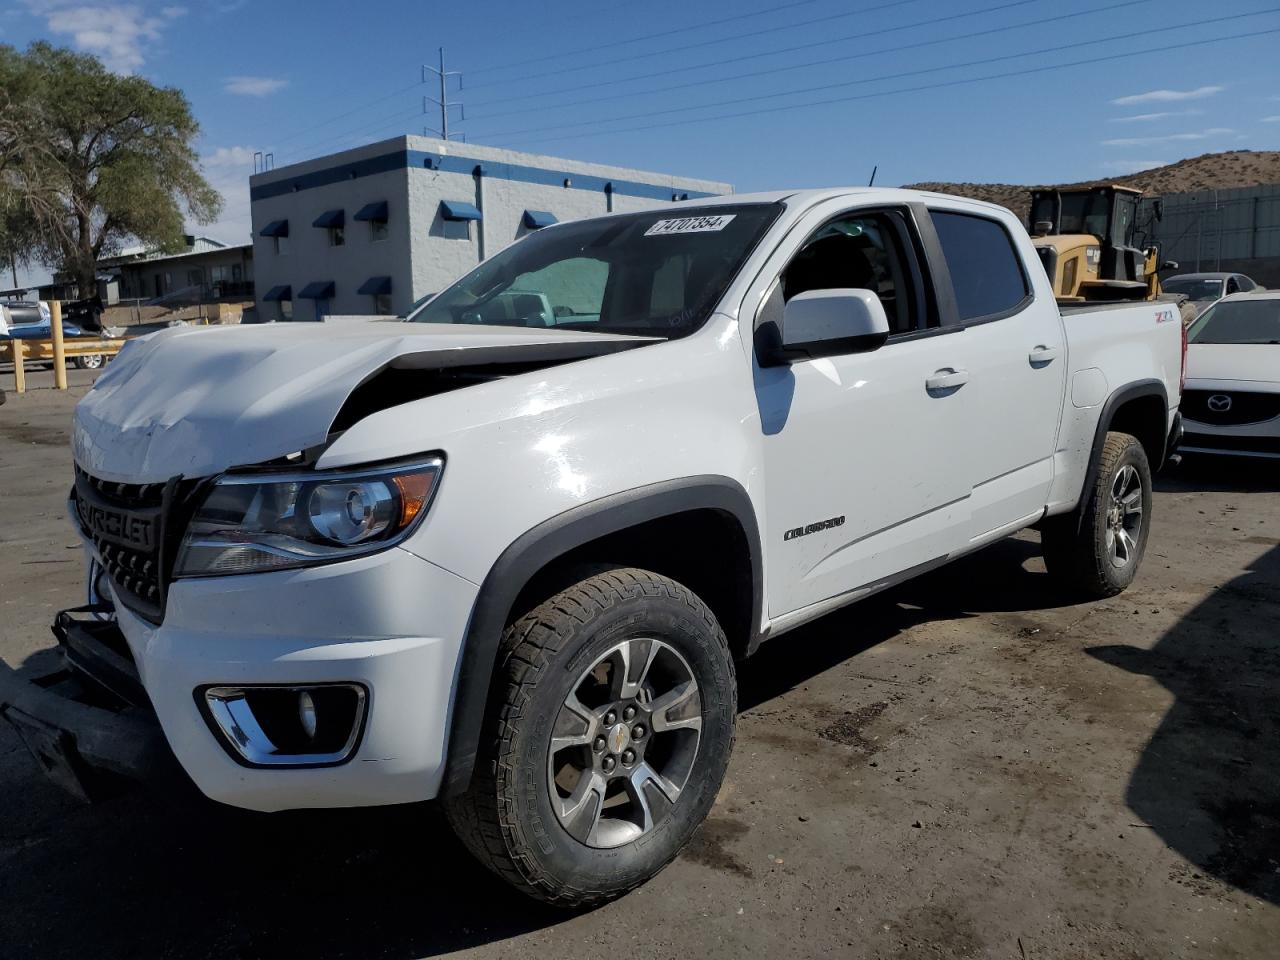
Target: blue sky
[[658, 85]]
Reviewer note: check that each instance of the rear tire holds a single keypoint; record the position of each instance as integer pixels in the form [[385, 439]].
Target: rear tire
[[1095, 550], [573, 806]]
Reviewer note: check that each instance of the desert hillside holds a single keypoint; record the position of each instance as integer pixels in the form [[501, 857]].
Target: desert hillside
[[1211, 171]]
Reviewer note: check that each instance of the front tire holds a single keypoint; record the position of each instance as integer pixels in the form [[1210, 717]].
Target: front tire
[[610, 729], [1095, 550], [90, 362]]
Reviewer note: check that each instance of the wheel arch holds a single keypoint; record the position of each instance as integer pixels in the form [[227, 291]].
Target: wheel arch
[[1140, 409], [527, 569]]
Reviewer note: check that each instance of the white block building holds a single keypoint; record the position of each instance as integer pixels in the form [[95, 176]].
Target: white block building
[[374, 229]]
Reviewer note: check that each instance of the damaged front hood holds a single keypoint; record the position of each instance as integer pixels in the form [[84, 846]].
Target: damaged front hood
[[197, 401]]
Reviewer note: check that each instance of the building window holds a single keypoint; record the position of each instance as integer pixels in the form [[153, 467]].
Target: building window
[[336, 236], [284, 310], [382, 304], [322, 308], [377, 215], [281, 245], [455, 219]]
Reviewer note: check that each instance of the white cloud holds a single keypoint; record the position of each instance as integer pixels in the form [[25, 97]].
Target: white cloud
[[228, 169], [117, 33], [1147, 117], [1275, 119], [1168, 138], [253, 86], [230, 157], [1133, 166], [1168, 96]]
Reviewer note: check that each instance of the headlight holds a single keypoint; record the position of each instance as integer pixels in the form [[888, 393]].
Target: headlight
[[250, 523]]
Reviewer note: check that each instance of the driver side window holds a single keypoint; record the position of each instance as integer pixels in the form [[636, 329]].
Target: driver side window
[[862, 251]]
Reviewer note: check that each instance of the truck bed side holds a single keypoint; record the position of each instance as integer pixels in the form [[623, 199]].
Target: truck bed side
[[1122, 360]]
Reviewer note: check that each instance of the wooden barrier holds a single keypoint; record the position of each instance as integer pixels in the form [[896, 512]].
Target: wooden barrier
[[21, 352]]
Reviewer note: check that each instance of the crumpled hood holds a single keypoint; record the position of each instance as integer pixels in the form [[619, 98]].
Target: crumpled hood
[[197, 400], [1233, 361]]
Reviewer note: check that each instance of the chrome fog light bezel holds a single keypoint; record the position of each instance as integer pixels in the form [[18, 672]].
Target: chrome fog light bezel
[[226, 711]]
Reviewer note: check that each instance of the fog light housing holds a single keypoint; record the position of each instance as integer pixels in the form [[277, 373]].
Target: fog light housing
[[302, 725]]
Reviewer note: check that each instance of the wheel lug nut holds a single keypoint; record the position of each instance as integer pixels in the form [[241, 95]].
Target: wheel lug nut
[[599, 745], [610, 718], [628, 757], [607, 764], [638, 732], [628, 713]]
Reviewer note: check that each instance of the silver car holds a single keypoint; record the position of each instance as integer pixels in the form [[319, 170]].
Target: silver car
[[1206, 289]]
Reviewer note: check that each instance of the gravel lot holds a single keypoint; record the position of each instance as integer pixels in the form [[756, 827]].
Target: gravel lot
[[969, 767]]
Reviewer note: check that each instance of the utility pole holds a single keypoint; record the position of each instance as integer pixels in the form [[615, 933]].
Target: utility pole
[[443, 103]]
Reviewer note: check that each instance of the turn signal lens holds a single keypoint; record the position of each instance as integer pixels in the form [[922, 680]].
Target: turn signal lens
[[415, 490]]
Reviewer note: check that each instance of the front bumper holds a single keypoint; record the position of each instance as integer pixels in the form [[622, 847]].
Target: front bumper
[[89, 714], [390, 622]]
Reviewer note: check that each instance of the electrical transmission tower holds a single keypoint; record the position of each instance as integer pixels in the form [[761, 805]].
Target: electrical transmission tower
[[444, 104]]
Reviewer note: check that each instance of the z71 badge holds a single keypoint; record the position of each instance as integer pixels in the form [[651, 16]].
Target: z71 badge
[[813, 528]]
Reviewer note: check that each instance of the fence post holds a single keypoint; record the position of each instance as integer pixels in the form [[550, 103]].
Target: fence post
[[59, 358], [19, 374]]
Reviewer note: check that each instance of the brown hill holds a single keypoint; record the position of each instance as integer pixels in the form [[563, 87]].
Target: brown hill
[[1211, 171]]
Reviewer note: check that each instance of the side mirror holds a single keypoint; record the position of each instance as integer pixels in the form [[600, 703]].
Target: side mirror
[[1042, 228], [823, 323], [1169, 265]]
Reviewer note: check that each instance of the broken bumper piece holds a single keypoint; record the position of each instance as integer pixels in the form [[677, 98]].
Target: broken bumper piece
[[89, 715]]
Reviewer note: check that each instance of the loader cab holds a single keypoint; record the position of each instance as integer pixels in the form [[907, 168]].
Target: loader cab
[[1088, 242]]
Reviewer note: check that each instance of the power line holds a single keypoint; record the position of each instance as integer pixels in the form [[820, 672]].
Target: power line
[[364, 106], [399, 116], [701, 43], [891, 76], [683, 28], [812, 63], [917, 89]]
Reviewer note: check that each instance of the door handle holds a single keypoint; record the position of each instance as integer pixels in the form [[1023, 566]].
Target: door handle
[[948, 378], [1042, 355]]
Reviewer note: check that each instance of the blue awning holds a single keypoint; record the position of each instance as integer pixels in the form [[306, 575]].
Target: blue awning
[[375, 286], [317, 290], [457, 210], [330, 218], [372, 211], [537, 219], [276, 228], [282, 292]]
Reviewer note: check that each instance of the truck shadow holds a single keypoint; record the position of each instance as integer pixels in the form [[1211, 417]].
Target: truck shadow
[[993, 580], [1208, 782], [167, 873]]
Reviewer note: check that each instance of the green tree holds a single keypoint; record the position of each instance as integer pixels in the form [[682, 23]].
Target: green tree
[[100, 158]]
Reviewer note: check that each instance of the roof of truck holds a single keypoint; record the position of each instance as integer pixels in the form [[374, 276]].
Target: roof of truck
[[810, 197]]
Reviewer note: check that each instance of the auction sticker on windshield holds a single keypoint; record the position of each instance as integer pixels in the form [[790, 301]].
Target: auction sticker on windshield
[[689, 225]]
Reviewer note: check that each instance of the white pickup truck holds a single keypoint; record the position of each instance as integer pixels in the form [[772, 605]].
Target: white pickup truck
[[508, 557]]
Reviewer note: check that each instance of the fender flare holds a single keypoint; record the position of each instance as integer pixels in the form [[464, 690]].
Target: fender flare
[[535, 549], [1132, 391]]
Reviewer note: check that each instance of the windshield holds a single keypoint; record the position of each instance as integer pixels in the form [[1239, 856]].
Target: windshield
[[1195, 289], [1238, 321], [658, 273], [1081, 212]]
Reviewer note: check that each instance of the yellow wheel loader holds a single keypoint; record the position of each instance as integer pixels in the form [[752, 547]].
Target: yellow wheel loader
[[1089, 243]]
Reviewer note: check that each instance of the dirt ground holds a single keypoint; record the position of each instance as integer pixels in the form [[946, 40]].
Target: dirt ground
[[969, 767]]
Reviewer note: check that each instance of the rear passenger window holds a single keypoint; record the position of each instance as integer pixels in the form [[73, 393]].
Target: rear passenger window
[[986, 271]]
